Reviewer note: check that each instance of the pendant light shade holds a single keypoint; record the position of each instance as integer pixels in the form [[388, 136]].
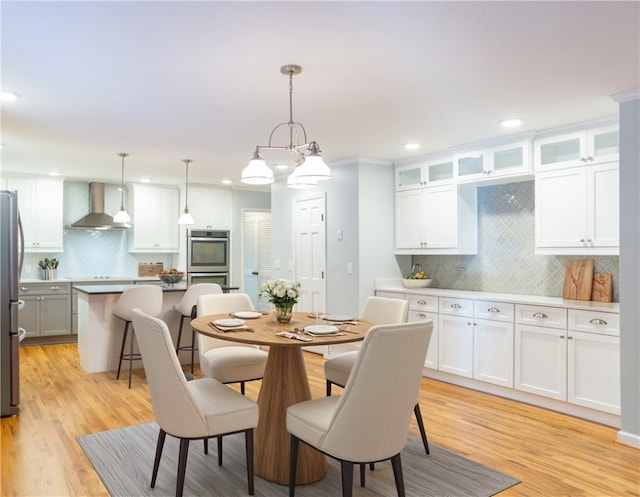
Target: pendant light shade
[[186, 217], [311, 170], [122, 216]]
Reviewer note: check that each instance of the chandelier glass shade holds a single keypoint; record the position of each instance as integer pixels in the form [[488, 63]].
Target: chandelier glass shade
[[186, 217], [122, 216], [311, 168]]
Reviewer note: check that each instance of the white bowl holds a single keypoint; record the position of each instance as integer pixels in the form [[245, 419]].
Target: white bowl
[[423, 283]]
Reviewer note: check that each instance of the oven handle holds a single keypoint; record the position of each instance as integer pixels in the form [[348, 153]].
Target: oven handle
[[205, 239]]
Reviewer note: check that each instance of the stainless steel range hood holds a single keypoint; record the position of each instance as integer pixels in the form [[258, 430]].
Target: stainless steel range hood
[[97, 219]]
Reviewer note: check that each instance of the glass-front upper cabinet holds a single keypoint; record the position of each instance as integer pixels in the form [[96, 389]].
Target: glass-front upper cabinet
[[513, 159], [590, 146], [424, 174]]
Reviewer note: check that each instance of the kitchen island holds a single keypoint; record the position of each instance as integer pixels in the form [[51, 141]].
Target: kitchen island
[[100, 332]]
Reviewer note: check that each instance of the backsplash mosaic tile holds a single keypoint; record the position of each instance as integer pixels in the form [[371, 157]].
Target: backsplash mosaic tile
[[506, 261]]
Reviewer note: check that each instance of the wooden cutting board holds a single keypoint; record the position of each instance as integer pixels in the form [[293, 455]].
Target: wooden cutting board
[[578, 279], [602, 289]]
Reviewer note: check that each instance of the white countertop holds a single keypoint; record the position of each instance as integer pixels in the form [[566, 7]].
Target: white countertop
[[391, 285]]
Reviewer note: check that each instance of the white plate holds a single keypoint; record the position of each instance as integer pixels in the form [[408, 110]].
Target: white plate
[[338, 317], [247, 314], [229, 323], [321, 329]]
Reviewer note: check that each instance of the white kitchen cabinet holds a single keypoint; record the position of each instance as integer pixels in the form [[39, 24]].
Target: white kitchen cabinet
[[577, 210], [210, 207], [437, 220], [46, 311], [423, 307], [427, 173], [155, 215], [510, 162], [493, 342], [41, 210], [593, 360], [455, 338], [588, 146]]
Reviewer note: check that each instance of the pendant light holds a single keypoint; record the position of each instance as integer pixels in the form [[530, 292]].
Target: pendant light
[[122, 216], [311, 169], [186, 217]]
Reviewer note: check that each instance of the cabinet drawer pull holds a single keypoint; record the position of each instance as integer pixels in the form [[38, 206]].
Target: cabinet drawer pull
[[54, 288], [422, 302], [422, 315], [456, 306], [598, 321], [493, 309], [24, 289], [540, 315], [561, 336]]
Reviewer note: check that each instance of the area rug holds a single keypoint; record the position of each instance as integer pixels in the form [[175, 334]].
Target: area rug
[[124, 458]]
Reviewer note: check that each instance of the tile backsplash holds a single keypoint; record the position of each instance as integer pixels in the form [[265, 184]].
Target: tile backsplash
[[506, 261]]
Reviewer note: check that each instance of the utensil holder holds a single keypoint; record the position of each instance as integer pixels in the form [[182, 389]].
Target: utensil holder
[[49, 274]]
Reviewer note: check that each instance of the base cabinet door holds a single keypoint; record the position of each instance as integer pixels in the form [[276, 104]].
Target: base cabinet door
[[540, 361], [493, 352], [593, 365], [455, 340], [431, 361]]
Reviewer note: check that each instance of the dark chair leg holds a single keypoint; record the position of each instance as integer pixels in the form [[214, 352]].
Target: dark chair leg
[[206, 445], [423, 433], [133, 339], [219, 450], [193, 347], [363, 472], [293, 464], [182, 465], [179, 333], [242, 387], [328, 388], [248, 443], [156, 463], [346, 468], [372, 466], [124, 341], [396, 463]]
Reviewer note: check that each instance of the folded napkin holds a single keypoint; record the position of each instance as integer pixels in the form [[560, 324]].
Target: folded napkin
[[224, 329]]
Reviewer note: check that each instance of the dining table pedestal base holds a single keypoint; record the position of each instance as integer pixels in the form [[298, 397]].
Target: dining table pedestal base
[[285, 383]]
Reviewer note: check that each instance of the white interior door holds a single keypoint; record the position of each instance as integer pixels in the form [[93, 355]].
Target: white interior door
[[310, 252], [256, 254]]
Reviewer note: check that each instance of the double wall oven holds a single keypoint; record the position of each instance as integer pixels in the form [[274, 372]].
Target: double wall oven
[[208, 256]]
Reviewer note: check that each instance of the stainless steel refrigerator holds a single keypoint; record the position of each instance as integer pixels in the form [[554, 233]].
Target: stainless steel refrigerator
[[11, 243]]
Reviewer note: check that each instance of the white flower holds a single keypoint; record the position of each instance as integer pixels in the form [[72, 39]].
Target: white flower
[[280, 291]]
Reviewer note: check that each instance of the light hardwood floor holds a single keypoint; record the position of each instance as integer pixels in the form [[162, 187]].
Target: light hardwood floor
[[553, 454]]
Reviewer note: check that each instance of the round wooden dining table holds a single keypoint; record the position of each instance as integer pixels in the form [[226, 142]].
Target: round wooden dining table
[[284, 383]]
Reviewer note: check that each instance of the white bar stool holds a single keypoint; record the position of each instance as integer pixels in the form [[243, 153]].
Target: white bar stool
[[186, 309], [147, 298]]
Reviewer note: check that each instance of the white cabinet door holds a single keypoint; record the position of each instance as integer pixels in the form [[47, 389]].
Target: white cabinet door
[[428, 173], [440, 217], [493, 352], [500, 163], [540, 361], [211, 208], [577, 210], [455, 345], [409, 219], [41, 208], [593, 365], [155, 219], [431, 361]]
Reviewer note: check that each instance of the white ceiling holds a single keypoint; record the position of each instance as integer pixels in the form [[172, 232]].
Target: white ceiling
[[166, 81]]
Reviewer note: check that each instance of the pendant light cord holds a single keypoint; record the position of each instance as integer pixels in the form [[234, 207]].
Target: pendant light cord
[[123, 155]]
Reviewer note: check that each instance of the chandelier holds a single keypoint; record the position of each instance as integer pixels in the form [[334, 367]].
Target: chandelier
[[310, 167]]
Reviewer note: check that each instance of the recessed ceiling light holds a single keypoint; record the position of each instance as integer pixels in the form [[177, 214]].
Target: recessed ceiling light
[[145, 180], [54, 173], [512, 122], [226, 181], [411, 146], [9, 96], [282, 166]]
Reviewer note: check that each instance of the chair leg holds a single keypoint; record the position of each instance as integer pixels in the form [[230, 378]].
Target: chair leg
[[293, 464], [206, 445], [124, 341], [346, 468], [396, 463], [248, 443], [219, 450], [179, 333], [328, 388], [363, 472], [193, 347], [133, 339], [423, 433], [182, 465], [156, 463], [242, 387]]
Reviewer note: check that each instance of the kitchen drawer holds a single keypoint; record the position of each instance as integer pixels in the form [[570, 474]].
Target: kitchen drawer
[[538, 315], [603, 323], [495, 311], [427, 303], [390, 295], [44, 288], [456, 307]]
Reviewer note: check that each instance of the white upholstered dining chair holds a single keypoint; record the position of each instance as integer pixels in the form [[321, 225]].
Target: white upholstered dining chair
[[225, 361], [185, 309], [189, 410], [377, 310], [369, 422]]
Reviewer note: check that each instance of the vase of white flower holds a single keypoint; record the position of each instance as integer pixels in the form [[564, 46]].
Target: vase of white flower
[[283, 294]]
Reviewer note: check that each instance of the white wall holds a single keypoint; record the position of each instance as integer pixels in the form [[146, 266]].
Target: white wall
[[630, 267]]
